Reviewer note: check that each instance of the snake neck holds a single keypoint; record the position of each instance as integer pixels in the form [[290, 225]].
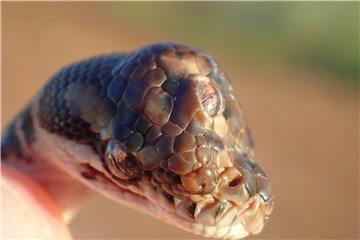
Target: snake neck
[[17, 152]]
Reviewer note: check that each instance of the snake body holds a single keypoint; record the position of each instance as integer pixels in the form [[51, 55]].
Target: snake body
[[159, 129]]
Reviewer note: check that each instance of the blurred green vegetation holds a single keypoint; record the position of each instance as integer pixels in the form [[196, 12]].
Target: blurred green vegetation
[[320, 35]]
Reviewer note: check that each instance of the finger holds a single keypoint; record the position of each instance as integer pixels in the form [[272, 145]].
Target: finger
[[27, 210]]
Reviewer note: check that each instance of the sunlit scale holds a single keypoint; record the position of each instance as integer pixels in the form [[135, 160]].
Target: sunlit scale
[[169, 131], [180, 140]]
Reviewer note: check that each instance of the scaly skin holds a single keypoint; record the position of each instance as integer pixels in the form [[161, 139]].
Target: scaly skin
[[159, 130]]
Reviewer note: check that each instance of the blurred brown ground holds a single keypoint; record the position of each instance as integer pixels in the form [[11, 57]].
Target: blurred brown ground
[[305, 127]]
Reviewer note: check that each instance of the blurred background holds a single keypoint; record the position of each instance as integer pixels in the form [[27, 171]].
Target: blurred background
[[296, 69]]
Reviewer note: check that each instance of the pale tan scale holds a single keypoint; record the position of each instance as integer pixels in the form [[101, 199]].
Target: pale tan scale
[[201, 204], [202, 78], [95, 127], [252, 215], [220, 125], [105, 114], [89, 101], [196, 198], [203, 64], [228, 217], [224, 160], [222, 210], [208, 213], [209, 231], [182, 207], [179, 66]]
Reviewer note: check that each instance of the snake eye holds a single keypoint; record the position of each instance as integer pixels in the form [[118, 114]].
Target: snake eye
[[210, 98], [120, 163]]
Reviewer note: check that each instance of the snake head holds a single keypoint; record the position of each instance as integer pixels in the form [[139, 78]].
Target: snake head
[[160, 130], [179, 140]]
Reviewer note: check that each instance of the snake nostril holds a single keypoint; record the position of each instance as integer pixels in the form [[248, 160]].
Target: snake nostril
[[235, 182]]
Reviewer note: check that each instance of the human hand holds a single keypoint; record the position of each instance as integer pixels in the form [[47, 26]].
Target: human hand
[[28, 212]]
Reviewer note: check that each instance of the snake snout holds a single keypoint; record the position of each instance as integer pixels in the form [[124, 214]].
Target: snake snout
[[257, 181]]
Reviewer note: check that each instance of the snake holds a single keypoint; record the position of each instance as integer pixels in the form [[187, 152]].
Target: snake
[[159, 129]]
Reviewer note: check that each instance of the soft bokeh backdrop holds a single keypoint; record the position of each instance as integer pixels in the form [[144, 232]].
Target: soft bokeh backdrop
[[296, 69]]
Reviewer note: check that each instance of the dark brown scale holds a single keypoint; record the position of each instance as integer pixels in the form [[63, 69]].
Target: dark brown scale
[[155, 77], [134, 142], [136, 89], [153, 134], [116, 88], [186, 104], [170, 86], [165, 146], [184, 142], [147, 61], [126, 115], [127, 68], [149, 157], [119, 130], [182, 163], [171, 129], [143, 124]]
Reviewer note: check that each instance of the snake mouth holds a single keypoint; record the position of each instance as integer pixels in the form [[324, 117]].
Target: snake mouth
[[238, 204], [226, 196], [203, 215]]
